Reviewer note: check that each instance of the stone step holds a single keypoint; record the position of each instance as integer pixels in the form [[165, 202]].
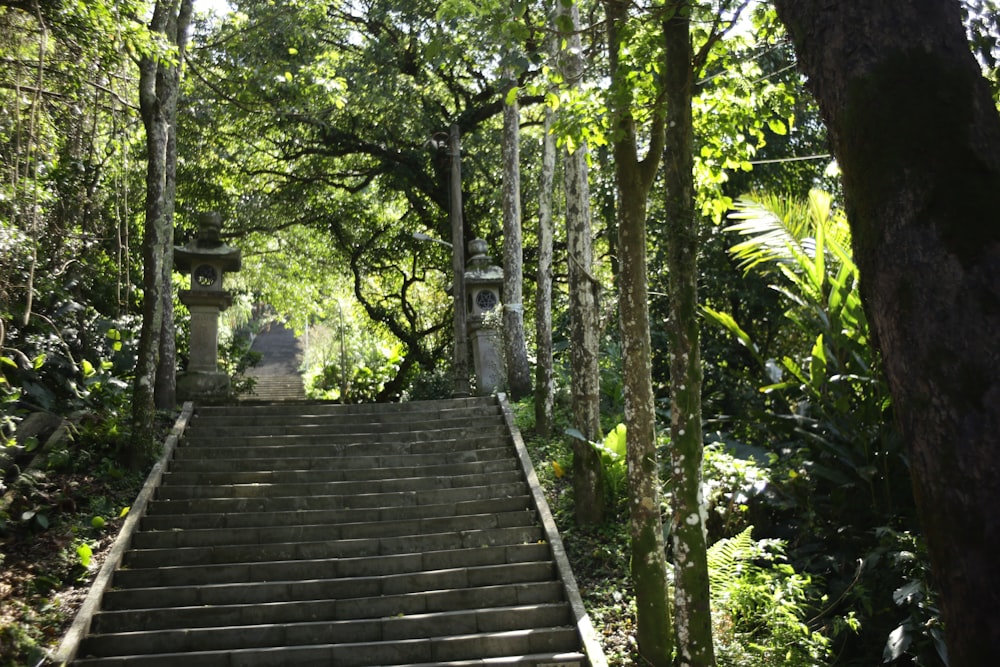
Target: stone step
[[315, 447], [337, 502], [305, 611], [339, 417], [327, 425], [529, 648], [321, 436], [374, 473], [343, 462], [328, 589], [391, 629], [330, 568], [167, 539], [376, 410], [347, 487], [354, 548], [307, 517]]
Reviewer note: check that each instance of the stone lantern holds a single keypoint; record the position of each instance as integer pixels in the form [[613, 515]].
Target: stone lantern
[[207, 259], [483, 281]]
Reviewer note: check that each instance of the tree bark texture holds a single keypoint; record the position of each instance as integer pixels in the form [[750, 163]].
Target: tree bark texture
[[634, 178], [544, 376], [158, 89], [515, 348], [692, 607], [917, 137], [165, 384], [588, 475]]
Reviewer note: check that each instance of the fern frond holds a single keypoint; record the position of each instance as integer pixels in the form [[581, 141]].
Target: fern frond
[[727, 557]]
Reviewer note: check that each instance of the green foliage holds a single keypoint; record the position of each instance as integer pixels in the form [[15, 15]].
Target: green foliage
[[838, 474], [613, 460], [760, 605]]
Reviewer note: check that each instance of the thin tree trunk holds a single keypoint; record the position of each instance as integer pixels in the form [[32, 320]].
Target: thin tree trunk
[[634, 179], [917, 137], [515, 349], [158, 83], [692, 607], [588, 476], [544, 377], [165, 385]]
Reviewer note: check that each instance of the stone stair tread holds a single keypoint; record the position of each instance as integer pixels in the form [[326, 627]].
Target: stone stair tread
[[344, 462], [361, 500], [265, 476], [325, 655], [324, 531], [333, 549], [288, 590], [201, 574], [224, 520], [271, 448], [301, 611], [339, 487], [394, 628]]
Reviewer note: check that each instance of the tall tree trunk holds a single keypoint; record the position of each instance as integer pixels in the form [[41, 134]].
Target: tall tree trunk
[[634, 178], [692, 607], [588, 476], [917, 137], [544, 376], [515, 348], [158, 89]]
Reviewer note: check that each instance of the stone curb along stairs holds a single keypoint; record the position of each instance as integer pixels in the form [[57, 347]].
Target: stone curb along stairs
[[349, 535]]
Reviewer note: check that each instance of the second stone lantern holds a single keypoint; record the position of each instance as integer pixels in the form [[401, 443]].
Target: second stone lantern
[[207, 259], [483, 280]]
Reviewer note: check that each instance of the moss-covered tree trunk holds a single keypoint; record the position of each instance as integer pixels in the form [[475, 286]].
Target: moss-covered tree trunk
[[515, 348], [917, 137], [692, 609], [634, 178], [159, 80], [588, 476]]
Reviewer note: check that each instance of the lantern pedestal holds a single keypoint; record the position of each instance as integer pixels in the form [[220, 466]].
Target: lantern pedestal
[[203, 381]]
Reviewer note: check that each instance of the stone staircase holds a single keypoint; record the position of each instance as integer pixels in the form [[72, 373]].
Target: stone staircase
[[317, 534]]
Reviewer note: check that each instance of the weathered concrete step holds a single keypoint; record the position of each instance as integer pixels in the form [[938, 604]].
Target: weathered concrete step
[[311, 424], [347, 487], [329, 568], [252, 438], [305, 611], [442, 652], [278, 447], [438, 469], [327, 589], [336, 502], [333, 549], [376, 409], [342, 462], [307, 517], [166, 539], [341, 416], [417, 626]]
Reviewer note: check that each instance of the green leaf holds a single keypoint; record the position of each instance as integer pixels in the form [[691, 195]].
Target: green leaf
[[777, 126], [292, 51], [87, 368], [727, 322], [511, 96], [38, 362], [85, 554]]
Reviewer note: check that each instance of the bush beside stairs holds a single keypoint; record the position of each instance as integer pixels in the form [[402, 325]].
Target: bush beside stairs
[[317, 534]]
